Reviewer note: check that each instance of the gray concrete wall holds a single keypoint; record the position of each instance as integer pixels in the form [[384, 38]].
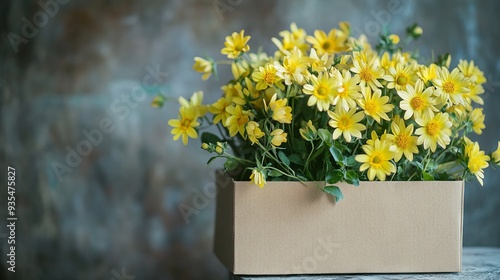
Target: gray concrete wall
[[117, 207]]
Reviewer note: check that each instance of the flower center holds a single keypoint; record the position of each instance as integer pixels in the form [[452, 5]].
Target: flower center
[[403, 141], [449, 87], [371, 107], [366, 74], [417, 103], [322, 92], [376, 160], [432, 128], [344, 123], [186, 123], [402, 80], [326, 45], [269, 78]]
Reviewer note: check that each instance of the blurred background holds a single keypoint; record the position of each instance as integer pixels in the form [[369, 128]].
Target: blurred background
[[101, 185]]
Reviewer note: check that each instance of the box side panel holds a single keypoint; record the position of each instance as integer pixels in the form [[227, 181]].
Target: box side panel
[[289, 228], [224, 221]]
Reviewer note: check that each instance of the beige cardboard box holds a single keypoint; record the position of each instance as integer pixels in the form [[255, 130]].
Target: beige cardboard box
[[379, 227]]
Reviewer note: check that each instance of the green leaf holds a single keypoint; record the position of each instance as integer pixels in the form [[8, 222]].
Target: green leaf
[[350, 161], [230, 164], [295, 158], [211, 159], [334, 176], [209, 138], [352, 177], [335, 191], [325, 135], [284, 158], [274, 173], [427, 176], [337, 155]]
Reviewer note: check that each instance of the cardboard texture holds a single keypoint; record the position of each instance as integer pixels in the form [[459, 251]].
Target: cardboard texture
[[379, 227]]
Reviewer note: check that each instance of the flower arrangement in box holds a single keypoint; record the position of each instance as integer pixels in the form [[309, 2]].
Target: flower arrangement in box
[[329, 107]]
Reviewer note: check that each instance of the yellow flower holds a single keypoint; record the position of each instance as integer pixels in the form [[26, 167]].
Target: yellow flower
[[450, 87], [240, 69], [427, 74], [472, 72], [394, 39], [278, 137], [185, 125], [346, 123], [219, 148], [232, 90], [417, 102], [258, 59], [293, 68], [477, 160], [473, 95], [477, 119], [266, 77], [322, 90], [433, 131], [308, 133], [237, 120], [403, 140], [348, 92], [236, 44], [320, 64], [254, 132], [368, 70], [281, 112], [401, 76], [195, 102], [257, 177], [291, 39], [377, 159], [496, 154], [218, 109], [334, 42], [203, 66], [375, 105]]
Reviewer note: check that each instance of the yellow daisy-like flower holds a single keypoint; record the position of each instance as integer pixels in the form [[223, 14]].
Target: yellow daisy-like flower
[[348, 92], [293, 68], [496, 154], [346, 123], [472, 72], [278, 137], [403, 140], [401, 76], [203, 66], [417, 102], [335, 42], [476, 160], [368, 70], [375, 105], [258, 178], [281, 112], [291, 39], [232, 90], [236, 44], [450, 87], [237, 120], [218, 109], [427, 73], [240, 69], [185, 126], [195, 102], [433, 131], [320, 64], [322, 90], [473, 95], [254, 132], [476, 117], [266, 77], [377, 159]]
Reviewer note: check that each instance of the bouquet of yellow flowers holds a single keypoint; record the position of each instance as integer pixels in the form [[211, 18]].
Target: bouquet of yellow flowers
[[331, 108]]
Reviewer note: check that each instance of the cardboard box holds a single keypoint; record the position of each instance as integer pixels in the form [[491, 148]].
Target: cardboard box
[[379, 227]]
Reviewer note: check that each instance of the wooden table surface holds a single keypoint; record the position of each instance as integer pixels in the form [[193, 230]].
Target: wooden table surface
[[478, 263]]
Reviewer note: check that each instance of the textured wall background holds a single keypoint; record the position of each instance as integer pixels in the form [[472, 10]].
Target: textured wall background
[[114, 212]]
